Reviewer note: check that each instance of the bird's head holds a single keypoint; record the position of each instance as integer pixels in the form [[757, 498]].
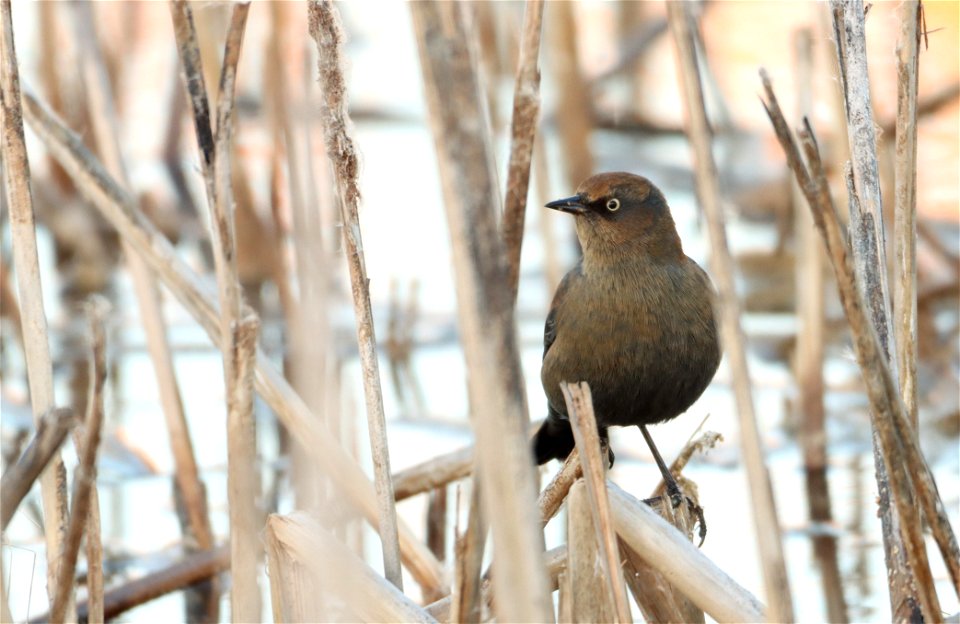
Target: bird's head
[[620, 212]]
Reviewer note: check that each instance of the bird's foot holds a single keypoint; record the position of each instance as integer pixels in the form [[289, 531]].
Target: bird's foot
[[677, 497]]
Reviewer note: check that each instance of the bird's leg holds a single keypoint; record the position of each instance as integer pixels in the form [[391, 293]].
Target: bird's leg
[[673, 490]]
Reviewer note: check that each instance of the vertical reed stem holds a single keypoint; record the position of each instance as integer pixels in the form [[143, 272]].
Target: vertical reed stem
[[777, 585], [327, 31], [16, 169]]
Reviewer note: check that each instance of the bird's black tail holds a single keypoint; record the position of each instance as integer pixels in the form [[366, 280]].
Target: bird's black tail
[[554, 439]]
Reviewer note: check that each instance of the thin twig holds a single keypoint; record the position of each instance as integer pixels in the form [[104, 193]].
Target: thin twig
[[523, 129], [120, 210], [85, 476], [584, 424], [497, 408], [433, 473], [898, 443], [327, 31], [16, 169], [52, 430], [728, 310]]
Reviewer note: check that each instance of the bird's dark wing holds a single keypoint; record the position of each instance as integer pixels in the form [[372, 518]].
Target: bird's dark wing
[[550, 329]]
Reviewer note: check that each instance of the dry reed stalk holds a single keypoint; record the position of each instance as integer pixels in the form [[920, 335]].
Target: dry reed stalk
[[552, 496], [905, 210], [898, 443], [85, 475], [764, 509], [94, 554], [868, 242], [809, 362], [433, 473], [657, 599], [523, 130], [190, 569], [680, 562], [467, 605], [120, 210], [52, 430], [238, 326], [292, 595], [106, 137], [327, 31], [339, 573], [593, 463], [573, 107], [553, 272], [16, 169], [591, 595], [497, 407]]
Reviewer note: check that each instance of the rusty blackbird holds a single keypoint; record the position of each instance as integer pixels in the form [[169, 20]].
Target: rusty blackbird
[[634, 318]]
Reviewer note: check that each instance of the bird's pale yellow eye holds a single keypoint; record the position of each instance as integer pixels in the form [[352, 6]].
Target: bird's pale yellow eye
[[613, 205]]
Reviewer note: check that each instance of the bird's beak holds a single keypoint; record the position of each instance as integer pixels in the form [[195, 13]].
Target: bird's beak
[[573, 205]]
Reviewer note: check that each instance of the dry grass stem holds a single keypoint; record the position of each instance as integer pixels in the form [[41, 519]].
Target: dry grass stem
[[433, 473], [681, 563], [327, 31], [898, 443], [764, 510], [119, 209], [52, 430], [106, 137], [523, 130], [16, 170], [905, 209], [497, 407], [85, 476], [339, 573], [593, 463]]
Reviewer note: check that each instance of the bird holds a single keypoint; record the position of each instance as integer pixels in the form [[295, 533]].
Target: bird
[[634, 318]]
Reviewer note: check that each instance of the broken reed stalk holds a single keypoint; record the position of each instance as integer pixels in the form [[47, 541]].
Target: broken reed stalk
[[106, 137], [339, 573], [590, 596], [192, 568], [552, 496], [52, 430], [809, 363], [905, 209], [767, 525], [238, 325], [327, 31], [497, 407], [467, 605], [16, 169], [593, 463], [657, 599], [898, 443], [85, 475], [523, 130], [868, 243], [120, 210], [667, 550]]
